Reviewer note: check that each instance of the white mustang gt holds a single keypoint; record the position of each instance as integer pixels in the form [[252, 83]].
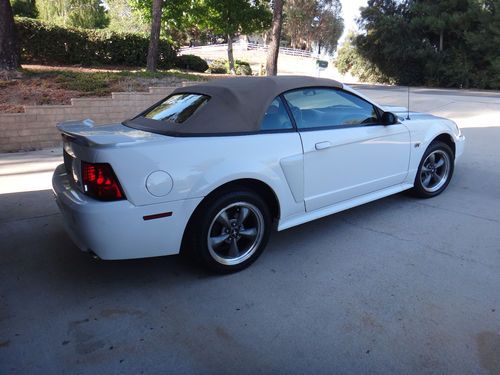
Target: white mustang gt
[[212, 169]]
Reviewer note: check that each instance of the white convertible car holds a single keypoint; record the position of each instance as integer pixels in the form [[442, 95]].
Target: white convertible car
[[212, 169]]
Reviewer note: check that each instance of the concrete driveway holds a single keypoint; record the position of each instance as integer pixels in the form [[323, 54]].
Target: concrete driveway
[[396, 286]]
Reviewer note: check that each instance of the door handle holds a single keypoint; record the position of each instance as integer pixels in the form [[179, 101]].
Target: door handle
[[323, 145]]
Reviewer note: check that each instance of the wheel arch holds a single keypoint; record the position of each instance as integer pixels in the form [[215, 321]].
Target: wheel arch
[[446, 139], [259, 187]]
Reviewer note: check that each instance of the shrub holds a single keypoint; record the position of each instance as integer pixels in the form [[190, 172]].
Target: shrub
[[24, 8], [243, 68], [222, 67], [218, 67], [191, 62], [50, 44]]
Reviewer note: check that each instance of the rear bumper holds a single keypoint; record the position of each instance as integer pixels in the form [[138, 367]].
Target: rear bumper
[[117, 230]]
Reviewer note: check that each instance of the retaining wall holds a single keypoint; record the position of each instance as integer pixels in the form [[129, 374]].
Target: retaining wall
[[36, 128]]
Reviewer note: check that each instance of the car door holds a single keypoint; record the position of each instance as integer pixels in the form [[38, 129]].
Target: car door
[[347, 151]]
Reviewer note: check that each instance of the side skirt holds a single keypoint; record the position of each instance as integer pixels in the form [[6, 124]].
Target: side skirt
[[341, 206]]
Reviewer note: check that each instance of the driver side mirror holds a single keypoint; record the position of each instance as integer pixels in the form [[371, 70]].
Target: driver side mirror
[[389, 118]]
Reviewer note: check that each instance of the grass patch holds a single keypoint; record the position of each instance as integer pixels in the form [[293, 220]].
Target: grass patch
[[40, 85], [102, 83]]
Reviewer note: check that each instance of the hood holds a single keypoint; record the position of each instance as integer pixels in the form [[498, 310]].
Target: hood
[[402, 113]]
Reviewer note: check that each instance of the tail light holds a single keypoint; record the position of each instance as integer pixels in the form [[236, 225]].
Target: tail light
[[100, 182]]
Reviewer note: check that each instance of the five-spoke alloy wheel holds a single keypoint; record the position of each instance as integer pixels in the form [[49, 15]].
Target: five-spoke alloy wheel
[[435, 170], [230, 231], [235, 233]]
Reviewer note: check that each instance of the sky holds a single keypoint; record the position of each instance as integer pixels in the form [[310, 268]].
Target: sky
[[350, 11]]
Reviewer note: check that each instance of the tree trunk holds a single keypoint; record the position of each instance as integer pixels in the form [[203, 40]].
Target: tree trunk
[[230, 57], [274, 46], [9, 48], [154, 41], [441, 40]]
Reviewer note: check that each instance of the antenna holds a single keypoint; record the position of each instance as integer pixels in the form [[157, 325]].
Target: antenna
[[408, 107]]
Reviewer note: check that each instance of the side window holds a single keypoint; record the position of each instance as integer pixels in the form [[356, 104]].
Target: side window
[[276, 117], [320, 107]]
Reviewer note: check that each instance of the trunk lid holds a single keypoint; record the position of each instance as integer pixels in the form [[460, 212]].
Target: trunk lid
[[82, 141], [86, 133]]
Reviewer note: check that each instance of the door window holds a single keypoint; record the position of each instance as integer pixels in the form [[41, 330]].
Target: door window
[[321, 107]]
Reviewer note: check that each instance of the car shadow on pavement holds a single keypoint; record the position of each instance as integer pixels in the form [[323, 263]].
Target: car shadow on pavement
[[33, 237]]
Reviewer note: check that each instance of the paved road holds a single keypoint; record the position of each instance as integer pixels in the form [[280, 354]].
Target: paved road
[[395, 286]]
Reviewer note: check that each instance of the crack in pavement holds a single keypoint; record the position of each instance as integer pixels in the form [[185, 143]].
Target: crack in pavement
[[29, 218], [425, 246], [458, 212]]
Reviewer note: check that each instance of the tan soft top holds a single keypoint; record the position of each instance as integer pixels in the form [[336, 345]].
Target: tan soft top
[[236, 105]]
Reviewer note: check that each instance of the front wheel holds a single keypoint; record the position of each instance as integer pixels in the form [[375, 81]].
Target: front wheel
[[229, 233], [435, 170]]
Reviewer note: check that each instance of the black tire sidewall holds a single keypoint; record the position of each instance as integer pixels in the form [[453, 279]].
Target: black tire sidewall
[[418, 189], [199, 227]]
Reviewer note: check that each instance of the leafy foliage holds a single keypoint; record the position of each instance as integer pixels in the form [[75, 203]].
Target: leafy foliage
[[85, 47], [178, 16], [231, 17], [349, 60], [221, 66], [191, 62], [24, 8], [451, 43], [88, 14], [125, 18], [218, 67], [243, 68]]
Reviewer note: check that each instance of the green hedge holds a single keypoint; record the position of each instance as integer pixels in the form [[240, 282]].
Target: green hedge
[[45, 43]]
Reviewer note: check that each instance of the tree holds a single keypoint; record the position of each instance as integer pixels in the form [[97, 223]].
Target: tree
[[231, 17], [178, 16], [328, 26], [314, 22], [274, 46], [349, 60], [88, 14], [9, 48], [451, 43], [299, 16], [123, 17], [154, 40]]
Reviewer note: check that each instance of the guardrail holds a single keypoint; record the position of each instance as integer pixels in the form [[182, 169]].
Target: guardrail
[[250, 46]]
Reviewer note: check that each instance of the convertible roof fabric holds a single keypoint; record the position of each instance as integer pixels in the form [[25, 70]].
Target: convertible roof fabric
[[236, 105]]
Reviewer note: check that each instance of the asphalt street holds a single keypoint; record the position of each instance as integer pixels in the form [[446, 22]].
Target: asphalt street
[[397, 286]]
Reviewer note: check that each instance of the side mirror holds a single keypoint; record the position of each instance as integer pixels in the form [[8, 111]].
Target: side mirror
[[389, 118]]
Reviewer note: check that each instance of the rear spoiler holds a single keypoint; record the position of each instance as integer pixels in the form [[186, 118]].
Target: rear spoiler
[[86, 133]]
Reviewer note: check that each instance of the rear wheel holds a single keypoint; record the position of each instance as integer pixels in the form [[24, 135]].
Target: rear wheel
[[230, 232], [435, 170]]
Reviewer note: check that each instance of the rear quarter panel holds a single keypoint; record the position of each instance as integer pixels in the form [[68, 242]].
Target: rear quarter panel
[[198, 165]]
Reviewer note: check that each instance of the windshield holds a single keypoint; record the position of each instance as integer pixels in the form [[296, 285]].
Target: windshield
[[176, 108]]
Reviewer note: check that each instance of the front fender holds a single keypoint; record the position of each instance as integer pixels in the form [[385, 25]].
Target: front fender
[[423, 132]]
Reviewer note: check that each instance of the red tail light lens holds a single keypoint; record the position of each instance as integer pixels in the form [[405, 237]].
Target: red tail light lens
[[99, 182]]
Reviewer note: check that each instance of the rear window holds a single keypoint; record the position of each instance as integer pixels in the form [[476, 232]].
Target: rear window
[[176, 108]]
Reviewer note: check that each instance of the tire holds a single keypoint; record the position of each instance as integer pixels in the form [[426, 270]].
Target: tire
[[229, 232], [434, 171]]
